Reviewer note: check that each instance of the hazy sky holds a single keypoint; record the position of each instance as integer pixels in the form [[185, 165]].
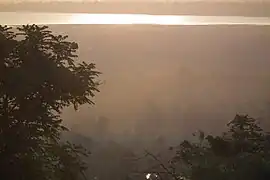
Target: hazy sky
[[171, 74], [10, 1]]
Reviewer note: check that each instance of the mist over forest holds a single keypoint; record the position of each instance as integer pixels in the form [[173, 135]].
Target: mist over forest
[[168, 81], [171, 81], [159, 85]]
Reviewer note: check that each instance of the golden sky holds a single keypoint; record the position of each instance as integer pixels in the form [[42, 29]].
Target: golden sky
[[16, 1]]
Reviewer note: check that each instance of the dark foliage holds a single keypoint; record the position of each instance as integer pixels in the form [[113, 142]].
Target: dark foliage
[[243, 152], [39, 76]]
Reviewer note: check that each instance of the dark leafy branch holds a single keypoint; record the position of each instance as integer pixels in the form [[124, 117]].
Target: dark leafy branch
[[40, 74]]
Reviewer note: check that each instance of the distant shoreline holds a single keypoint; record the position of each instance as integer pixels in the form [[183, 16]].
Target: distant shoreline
[[261, 9]]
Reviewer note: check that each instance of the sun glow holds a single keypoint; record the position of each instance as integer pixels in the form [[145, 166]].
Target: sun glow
[[20, 18], [165, 19], [127, 19]]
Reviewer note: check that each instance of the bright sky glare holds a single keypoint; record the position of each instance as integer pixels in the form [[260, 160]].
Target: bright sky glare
[[20, 18]]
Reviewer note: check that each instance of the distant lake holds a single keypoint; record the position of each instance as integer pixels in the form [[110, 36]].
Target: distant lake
[[19, 18]]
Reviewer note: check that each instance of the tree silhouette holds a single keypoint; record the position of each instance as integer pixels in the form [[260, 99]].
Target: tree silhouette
[[40, 74], [243, 152]]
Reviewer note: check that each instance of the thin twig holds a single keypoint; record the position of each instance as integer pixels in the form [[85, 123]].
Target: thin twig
[[161, 164]]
